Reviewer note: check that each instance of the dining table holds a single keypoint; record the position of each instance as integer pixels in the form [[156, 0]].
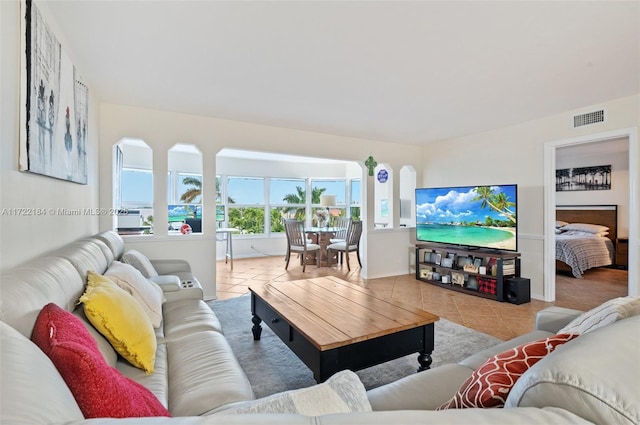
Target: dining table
[[322, 236]]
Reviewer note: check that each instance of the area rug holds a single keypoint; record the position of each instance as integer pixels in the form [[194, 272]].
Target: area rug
[[272, 367]]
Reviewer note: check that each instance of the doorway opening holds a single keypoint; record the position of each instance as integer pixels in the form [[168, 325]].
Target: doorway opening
[[550, 150]]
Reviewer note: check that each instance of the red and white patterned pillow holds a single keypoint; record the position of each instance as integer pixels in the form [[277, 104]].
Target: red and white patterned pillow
[[490, 384]]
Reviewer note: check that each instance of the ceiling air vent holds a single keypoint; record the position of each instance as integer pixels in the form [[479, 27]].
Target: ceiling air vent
[[588, 118]]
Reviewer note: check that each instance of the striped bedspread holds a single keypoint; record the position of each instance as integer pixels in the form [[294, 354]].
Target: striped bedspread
[[583, 253]]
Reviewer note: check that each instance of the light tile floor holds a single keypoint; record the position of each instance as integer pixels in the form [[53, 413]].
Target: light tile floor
[[502, 320]]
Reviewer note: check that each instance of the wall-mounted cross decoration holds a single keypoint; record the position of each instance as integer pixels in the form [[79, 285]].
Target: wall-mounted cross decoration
[[371, 164]]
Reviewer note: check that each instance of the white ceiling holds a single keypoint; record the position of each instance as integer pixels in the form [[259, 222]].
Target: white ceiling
[[399, 71]]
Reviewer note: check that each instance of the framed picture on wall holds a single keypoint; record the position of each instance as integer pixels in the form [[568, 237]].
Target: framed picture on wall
[[583, 178], [54, 102]]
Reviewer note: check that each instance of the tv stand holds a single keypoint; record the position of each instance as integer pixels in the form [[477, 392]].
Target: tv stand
[[471, 270]]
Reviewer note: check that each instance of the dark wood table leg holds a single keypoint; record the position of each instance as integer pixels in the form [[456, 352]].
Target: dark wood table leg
[[424, 358], [257, 328]]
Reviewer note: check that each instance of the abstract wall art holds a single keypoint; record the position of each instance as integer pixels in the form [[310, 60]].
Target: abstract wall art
[[54, 104]]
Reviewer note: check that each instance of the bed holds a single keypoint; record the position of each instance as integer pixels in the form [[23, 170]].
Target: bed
[[583, 243]]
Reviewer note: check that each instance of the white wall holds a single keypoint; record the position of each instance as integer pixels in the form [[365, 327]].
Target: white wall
[[24, 235], [515, 155], [161, 130]]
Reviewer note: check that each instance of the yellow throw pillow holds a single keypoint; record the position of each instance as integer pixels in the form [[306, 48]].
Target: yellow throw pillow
[[119, 317]]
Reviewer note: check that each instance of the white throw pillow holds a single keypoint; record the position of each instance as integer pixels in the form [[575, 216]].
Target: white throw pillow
[[148, 294], [583, 234], [585, 227], [341, 393], [140, 262], [603, 315]]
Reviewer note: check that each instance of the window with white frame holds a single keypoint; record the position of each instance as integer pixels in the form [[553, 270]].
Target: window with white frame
[[287, 199], [133, 186], [336, 187], [246, 204], [184, 189], [354, 200]]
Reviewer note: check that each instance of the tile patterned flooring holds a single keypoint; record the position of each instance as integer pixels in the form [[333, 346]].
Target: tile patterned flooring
[[502, 320]]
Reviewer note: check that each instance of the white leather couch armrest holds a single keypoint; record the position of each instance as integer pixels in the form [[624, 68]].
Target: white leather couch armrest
[[171, 266], [553, 319], [168, 282], [421, 391]]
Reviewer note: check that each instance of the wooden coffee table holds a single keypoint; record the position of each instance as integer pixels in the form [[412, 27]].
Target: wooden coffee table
[[332, 325]]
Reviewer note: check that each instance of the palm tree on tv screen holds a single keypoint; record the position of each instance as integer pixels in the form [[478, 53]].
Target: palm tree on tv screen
[[496, 201]]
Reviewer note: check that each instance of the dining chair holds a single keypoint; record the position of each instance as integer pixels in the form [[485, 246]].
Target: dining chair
[[352, 243], [297, 242], [342, 224]]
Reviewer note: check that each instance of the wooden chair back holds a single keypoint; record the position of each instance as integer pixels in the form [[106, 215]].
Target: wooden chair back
[[354, 233], [295, 232], [342, 224]]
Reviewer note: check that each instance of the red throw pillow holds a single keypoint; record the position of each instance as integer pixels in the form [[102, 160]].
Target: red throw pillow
[[490, 384], [100, 390]]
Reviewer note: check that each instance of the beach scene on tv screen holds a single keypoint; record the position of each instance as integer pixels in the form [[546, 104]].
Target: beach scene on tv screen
[[475, 216]]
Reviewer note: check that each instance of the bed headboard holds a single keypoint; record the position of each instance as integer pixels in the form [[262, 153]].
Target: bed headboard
[[605, 215]]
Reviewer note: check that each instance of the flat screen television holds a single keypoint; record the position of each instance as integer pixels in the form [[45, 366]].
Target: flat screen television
[[469, 216], [178, 213]]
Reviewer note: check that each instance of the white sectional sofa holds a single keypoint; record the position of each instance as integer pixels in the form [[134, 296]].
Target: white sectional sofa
[[594, 378]]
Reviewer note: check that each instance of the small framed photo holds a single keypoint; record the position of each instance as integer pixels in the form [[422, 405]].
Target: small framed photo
[[438, 258], [463, 261], [477, 262], [447, 262], [451, 255], [472, 283]]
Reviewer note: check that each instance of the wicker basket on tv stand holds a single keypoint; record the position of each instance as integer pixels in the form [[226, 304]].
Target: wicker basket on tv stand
[[444, 250]]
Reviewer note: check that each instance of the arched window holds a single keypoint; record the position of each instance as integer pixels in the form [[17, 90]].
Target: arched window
[[407, 196], [185, 186], [133, 187]]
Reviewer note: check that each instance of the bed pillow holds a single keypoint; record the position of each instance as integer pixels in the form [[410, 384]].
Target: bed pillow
[[100, 390], [490, 384], [560, 223], [603, 315], [140, 262], [343, 392], [581, 233], [119, 317], [148, 294], [585, 227]]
